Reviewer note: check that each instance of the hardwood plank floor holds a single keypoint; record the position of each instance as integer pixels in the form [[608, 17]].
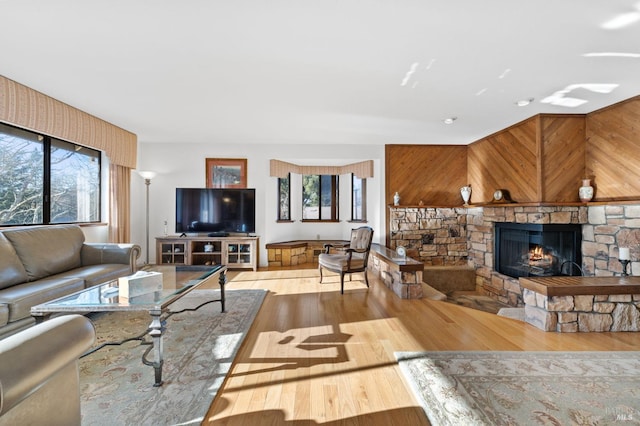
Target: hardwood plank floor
[[316, 357]]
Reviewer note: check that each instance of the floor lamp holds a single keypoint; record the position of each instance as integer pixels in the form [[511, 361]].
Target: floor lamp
[[147, 176]]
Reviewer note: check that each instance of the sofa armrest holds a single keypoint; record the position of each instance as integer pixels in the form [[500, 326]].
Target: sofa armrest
[[31, 357], [101, 253]]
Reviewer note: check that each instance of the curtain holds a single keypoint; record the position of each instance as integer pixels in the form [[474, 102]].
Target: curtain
[[281, 169], [120, 204], [24, 107]]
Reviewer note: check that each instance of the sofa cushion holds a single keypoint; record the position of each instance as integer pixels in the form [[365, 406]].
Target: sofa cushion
[[4, 314], [12, 271], [20, 298], [99, 274], [47, 250]]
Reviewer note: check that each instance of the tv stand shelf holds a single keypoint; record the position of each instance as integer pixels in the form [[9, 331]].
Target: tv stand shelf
[[233, 251]]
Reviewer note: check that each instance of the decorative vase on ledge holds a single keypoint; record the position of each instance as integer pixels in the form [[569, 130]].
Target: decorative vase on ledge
[[465, 191], [396, 199], [586, 191]]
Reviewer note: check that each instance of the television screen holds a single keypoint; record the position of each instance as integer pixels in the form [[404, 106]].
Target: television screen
[[215, 210]]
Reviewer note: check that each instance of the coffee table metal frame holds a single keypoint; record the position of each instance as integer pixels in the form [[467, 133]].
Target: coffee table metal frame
[[104, 298]]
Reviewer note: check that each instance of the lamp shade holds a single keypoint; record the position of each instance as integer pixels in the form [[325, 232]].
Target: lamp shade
[[146, 174]]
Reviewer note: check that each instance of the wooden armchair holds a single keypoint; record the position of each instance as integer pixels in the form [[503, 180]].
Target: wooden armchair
[[353, 258]]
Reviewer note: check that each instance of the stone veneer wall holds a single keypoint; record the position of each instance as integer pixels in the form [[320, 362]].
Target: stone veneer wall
[[434, 236], [587, 313], [610, 227], [406, 285]]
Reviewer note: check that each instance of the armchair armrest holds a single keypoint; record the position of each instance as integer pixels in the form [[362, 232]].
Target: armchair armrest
[[31, 357], [327, 247], [100, 253]]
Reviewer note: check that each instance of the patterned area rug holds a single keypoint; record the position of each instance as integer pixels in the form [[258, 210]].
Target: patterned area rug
[[199, 347], [525, 388]]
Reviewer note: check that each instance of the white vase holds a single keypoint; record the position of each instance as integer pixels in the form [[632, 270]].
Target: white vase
[[465, 191], [586, 191], [396, 199]]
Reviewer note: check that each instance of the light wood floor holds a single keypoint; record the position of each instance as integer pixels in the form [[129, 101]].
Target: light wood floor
[[316, 357]]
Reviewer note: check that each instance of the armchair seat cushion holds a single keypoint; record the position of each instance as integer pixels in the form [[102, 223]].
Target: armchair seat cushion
[[338, 262]]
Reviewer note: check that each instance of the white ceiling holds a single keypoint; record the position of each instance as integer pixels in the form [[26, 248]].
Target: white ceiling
[[321, 71]]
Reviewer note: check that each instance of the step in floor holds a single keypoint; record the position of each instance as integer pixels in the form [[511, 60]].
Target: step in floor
[[471, 299]]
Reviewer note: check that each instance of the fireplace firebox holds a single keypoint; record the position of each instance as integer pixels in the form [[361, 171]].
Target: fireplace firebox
[[524, 249]]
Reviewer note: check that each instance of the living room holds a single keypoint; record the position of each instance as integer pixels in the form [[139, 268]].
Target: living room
[[412, 150]]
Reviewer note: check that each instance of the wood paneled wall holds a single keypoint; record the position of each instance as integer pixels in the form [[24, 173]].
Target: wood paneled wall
[[613, 151], [540, 160], [432, 174], [505, 160], [562, 165]]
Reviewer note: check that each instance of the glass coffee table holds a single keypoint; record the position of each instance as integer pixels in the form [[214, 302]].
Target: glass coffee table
[[177, 281]]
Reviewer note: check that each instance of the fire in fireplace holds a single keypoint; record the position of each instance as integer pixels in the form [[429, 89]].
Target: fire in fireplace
[[524, 249]]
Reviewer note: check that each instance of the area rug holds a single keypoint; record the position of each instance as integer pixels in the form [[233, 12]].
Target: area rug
[[525, 388], [199, 347]]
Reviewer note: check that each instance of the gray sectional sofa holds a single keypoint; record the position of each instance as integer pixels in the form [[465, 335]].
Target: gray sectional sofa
[[41, 263]]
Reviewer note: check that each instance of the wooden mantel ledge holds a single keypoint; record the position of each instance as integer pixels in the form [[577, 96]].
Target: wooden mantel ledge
[[577, 286], [591, 203]]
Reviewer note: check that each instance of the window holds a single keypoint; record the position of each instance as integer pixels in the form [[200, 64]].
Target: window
[[320, 197], [358, 199], [284, 198], [45, 180]]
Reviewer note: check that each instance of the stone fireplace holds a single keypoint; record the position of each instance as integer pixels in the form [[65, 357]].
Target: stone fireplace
[[537, 249], [481, 225], [465, 236]]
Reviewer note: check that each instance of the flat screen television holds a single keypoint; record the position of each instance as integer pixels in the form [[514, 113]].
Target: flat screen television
[[215, 211]]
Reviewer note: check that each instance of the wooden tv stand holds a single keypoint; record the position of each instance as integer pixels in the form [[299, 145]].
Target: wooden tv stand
[[235, 252]]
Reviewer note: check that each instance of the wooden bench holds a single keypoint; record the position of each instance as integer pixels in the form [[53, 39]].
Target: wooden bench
[[298, 252], [582, 304]]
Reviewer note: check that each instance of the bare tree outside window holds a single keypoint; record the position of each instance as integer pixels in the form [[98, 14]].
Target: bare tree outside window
[[21, 178], [284, 198], [44, 180], [75, 183], [320, 197], [358, 199]]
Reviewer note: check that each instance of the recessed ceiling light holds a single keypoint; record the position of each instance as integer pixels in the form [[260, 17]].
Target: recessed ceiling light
[[449, 120], [524, 102], [611, 55]]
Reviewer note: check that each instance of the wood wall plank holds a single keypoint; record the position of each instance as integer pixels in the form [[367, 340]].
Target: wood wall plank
[[505, 160], [432, 174], [613, 151], [563, 157]]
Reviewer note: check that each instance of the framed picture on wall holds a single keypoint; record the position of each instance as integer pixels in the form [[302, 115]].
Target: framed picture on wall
[[226, 172]]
